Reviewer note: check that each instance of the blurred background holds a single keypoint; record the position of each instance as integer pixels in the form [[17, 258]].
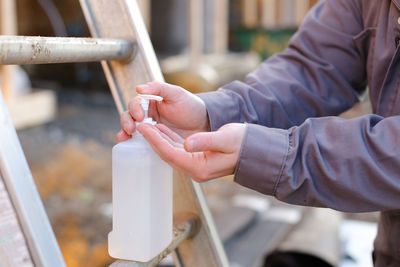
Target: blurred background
[[67, 121]]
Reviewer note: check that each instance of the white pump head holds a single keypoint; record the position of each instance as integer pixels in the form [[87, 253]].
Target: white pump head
[[144, 101]]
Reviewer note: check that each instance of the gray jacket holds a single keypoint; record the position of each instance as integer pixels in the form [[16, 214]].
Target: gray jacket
[[294, 147]]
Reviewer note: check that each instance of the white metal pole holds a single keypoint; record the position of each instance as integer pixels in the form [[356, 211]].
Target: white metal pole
[[38, 50]]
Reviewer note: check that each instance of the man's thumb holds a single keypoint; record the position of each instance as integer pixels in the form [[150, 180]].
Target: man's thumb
[[211, 141]]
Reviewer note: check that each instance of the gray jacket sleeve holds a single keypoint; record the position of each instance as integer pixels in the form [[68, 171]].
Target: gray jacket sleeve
[[348, 165], [319, 74]]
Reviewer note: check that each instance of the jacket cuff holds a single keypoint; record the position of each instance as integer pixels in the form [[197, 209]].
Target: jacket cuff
[[262, 158], [221, 108]]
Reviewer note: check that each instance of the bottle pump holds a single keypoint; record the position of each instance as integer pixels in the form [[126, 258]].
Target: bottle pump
[[141, 198]]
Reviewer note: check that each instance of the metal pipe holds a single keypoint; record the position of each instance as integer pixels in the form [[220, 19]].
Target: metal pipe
[[182, 231], [40, 50]]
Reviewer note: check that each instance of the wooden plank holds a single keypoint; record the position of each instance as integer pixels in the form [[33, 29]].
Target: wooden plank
[[250, 13], [220, 19], [145, 9], [43, 102], [204, 249], [144, 68], [286, 13], [313, 2], [8, 22], [269, 14], [302, 7], [7, 77], [196, 36], [25, 197]]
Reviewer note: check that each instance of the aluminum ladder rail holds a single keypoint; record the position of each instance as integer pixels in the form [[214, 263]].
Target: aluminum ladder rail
[[123, 41], [23, 219]]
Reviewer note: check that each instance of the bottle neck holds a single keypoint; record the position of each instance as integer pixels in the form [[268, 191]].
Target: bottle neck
[[136, 134]]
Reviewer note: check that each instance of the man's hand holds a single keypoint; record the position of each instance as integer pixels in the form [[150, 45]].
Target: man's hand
[[202, 156], [182, 111]]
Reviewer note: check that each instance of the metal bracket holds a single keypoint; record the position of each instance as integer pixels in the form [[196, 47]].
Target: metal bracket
[[181, 232]]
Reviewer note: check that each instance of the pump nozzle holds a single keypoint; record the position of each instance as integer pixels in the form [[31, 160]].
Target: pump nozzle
[[144, 101]]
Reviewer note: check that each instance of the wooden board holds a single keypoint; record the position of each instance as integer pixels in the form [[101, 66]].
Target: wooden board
[[250, 13], [42, 102], [196, 36], [122, 19], [302, 7], [215, 26], [145, 9], [269, 14], [286, 13], [221, 27], [278, 14], [25, 199]]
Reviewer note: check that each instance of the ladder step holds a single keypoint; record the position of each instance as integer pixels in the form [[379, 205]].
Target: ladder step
[[40, 50]]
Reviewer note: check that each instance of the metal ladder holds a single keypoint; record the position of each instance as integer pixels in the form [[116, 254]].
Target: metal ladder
[[123, 46]]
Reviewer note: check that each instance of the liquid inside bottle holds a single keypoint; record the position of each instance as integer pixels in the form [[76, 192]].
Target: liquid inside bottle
[[141, 200]]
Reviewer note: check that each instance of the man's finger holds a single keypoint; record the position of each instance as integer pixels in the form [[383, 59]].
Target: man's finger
[[122, 136], [177, 157], [161, 145], [135, 109], [213, 141], [167, 91], [172, 142], [171, 134], [196, 165], [127, 123]]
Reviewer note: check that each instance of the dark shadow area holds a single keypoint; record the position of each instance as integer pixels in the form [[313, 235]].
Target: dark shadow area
[[293, 259]]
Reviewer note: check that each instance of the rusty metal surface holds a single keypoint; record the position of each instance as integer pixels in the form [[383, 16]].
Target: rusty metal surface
[[39, 50]]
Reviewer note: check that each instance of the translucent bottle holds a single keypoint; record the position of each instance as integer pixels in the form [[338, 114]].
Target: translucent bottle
[[141, 198]]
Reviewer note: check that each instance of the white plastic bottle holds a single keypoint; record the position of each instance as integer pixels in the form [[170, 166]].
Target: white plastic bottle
[[141, 198]]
